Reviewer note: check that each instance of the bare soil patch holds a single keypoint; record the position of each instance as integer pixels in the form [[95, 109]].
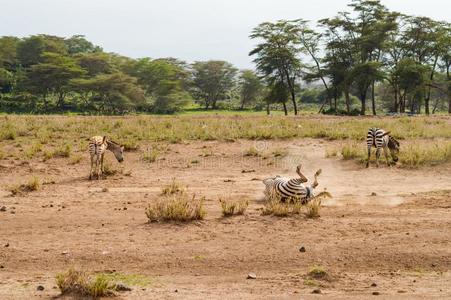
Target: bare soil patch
[[385, 231]]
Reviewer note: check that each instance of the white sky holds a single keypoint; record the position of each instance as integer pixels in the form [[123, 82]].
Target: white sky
[[187, 29]]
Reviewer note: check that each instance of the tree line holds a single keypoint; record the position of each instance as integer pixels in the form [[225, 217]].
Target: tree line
[[366, 57]]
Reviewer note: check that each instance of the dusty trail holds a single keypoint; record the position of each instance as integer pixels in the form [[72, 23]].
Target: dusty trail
[[400, 239]]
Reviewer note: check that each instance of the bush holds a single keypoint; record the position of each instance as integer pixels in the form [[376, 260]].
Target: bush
[[178, 207], [230, 208], [81, 284]]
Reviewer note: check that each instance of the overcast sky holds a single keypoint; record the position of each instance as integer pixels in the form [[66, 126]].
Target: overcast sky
[[187, 29]]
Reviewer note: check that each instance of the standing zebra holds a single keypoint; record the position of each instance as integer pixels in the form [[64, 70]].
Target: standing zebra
[[97, 148], [291, 189], [381, 139]]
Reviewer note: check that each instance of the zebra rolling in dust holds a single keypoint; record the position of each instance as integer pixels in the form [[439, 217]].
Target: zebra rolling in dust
[[285, 189], [97, 148], [381, 139]]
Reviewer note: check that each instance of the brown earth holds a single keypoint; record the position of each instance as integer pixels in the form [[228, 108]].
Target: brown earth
[[399, 239]]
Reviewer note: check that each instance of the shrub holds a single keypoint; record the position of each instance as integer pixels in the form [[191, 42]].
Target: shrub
[[230, 208], [179, 207], [80, 283]]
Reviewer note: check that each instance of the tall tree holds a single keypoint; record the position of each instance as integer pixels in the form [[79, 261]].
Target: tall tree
[[277, 54], [213, 81], [251, 88]]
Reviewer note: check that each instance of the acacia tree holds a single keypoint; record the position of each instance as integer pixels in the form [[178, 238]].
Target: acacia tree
[[52, 76], [250, 88], [277, 54], [212, 81]]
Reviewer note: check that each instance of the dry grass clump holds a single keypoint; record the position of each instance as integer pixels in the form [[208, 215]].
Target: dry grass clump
[[151, 155], [318, 273], [313, 209], [109, 170], [75, 159], [230, 207], [173, 188], [275, 207], [33, 184], [252, 151], [81, 284], [178, 207]]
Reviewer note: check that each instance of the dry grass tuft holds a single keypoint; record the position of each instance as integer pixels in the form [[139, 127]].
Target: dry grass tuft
[[33, 184], [230, 207], [252, 151], [313, 208], [151, 155], [81, 284], [109, 170], [318, 273], [173, 188], [178, 207]]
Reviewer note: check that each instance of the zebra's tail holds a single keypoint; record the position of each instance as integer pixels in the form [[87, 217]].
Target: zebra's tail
[[315, 183], [323, 194]]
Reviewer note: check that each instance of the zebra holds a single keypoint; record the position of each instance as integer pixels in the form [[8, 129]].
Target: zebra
[[381, 139], [97, 148], [286, 189]]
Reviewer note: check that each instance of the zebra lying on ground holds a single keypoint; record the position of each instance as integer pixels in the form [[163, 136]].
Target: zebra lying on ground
[[97, 148], [286, 189], [381, 139]]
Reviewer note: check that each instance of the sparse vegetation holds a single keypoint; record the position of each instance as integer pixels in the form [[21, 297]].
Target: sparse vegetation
[[313, 208], [178, 207], [33, 184], [151, 155], [230, 207], [83, 284], [318, 273], [252, 151], [108, 169], [75, 159], [174, 187]]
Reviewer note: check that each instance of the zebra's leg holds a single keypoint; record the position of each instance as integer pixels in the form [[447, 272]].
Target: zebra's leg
[[369, 156], [298, 171], [98, 168], [378, 155], [92, 168], [102, 169], [386, 156]]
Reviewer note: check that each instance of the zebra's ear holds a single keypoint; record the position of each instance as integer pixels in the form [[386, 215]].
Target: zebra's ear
[[104, 139], [387, 133]]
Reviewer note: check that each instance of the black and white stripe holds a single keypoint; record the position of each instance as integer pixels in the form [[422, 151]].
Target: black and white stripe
[[381, 139], [97, 148], [287, 189]]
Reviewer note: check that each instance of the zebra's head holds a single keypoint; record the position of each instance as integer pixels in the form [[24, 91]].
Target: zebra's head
[[394, 146], [117, 150]]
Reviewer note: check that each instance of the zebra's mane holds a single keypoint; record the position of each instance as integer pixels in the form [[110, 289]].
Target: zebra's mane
[[113, 143]]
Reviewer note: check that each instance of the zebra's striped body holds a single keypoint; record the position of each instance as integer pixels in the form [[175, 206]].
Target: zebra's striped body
[[97, 148], [285, 189], [288, 189], [381, 139]]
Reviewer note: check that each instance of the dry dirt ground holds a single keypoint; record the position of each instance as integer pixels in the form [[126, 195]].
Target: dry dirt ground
[[396, 244]]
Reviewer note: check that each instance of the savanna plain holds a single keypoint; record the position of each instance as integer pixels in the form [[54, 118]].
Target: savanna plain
[[385, 233]]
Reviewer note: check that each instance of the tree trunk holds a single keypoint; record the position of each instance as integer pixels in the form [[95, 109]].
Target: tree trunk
[[373, 100], [335, 104], [363, 100], [267, 109], [285, 108], [428, 96], [396, 104], [348, 108]]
